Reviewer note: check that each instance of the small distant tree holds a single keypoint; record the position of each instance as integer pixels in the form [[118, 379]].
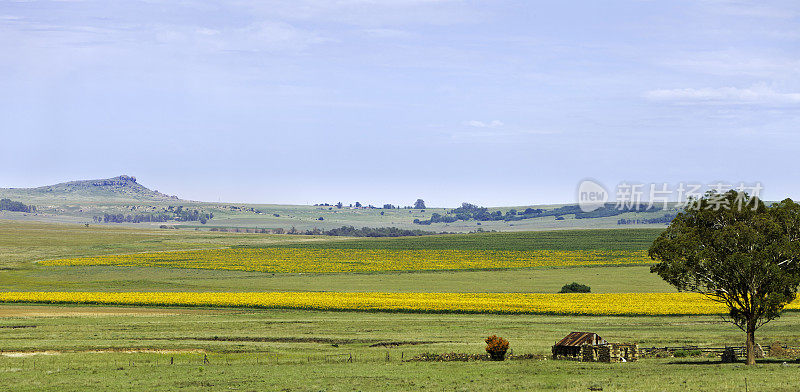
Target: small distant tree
[[419, 204], [358, 205], [339, 205], [736, 251], [575, 288]]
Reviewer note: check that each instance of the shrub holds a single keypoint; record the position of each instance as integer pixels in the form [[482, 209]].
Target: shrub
[[575, 288], [687, 353], [496, 347]]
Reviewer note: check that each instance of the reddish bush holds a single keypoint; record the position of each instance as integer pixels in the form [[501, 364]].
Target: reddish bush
[[496, 347]]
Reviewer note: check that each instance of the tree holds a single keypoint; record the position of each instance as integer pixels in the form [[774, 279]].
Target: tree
[[736, 251], [419, 204], [575, 287]]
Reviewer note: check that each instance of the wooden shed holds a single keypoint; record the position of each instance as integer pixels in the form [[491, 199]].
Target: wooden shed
[[570, 346]]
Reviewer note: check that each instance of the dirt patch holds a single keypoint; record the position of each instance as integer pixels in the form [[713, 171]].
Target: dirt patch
[[21, 354]]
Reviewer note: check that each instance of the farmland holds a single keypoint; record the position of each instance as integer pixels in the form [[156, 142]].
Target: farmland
[[616, 304], [293, 260], [250, 349], [68, 323]]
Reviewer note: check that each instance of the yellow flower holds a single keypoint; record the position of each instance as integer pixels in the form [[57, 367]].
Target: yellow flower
[[585, 304], [298, 260]]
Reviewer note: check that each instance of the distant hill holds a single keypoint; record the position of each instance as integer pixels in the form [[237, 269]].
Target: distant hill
[[120, 188]]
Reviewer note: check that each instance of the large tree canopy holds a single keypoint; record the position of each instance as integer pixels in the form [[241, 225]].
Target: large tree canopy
[[737, 251]]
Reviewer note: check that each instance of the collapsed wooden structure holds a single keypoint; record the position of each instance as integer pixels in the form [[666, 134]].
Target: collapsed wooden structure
[[590, 347]]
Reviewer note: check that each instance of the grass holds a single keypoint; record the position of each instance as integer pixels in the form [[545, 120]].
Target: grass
[[305, 350], [114, 347], [599, 239], [103, 278], [22, 242]]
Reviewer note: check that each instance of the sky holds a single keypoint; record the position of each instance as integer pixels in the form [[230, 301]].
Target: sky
[[310, 101]]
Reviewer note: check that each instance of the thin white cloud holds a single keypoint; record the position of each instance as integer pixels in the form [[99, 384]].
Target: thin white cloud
[[388, 33], [759, 94], [264, 36], [735, 63], [481, 124], [490, 135], [750, 9]]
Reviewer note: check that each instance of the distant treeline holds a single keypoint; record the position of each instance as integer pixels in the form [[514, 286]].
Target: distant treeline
[[245, 230], [9, 205], [344, 231], [667, 218], [469, 211], [419, 205], [350, 231], [171, 213]]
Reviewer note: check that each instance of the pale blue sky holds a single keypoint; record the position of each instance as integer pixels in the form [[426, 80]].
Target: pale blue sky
[[495, 102]]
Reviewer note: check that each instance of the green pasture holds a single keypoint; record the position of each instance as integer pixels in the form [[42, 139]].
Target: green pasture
[[83, 347], [599, 239], [23, 243]]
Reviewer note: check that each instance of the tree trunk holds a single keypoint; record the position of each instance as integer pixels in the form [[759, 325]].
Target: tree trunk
[[751, 343]]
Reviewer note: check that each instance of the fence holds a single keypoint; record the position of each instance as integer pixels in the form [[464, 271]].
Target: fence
[[51, 359], [739, 350]]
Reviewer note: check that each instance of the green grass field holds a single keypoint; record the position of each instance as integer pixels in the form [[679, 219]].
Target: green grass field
[[116, 347], [600, 239], [47, 347], [23, 243]]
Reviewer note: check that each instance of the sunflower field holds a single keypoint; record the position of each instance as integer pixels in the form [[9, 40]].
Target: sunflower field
[[301, 260], [515, 303]]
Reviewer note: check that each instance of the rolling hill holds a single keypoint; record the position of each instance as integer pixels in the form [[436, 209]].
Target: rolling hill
[[120, 188]]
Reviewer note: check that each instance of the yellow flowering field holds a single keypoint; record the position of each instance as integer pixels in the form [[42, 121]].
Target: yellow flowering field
[[579, 304], [298, 260]]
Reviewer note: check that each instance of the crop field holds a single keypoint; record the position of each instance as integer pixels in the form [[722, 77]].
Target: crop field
[[293, 260], [109, 308], [599, 239], [618, 304], [24, 242]]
